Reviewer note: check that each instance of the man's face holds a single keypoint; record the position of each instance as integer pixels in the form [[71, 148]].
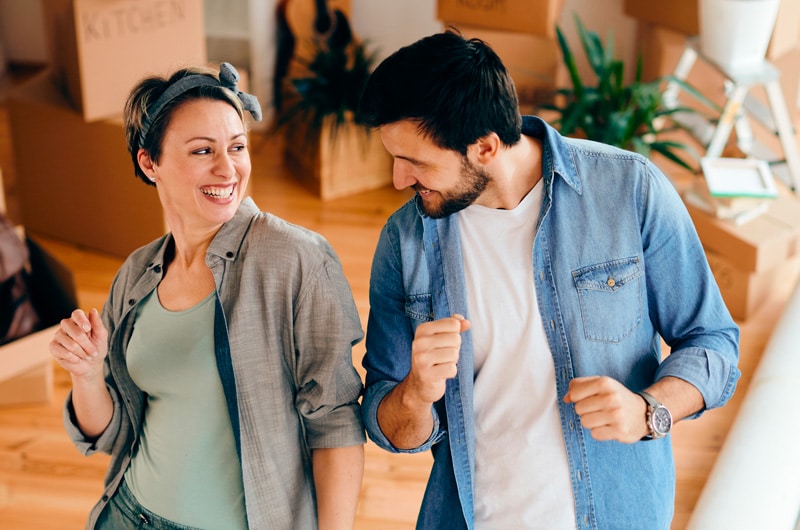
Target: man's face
[[446, 181]]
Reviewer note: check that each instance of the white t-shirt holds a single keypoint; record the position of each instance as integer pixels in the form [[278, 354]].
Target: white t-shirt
[[522, 475]]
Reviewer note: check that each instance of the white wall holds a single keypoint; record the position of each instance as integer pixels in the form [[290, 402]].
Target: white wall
[[604, 17], [262, 29], [227, 18], [389, 25]]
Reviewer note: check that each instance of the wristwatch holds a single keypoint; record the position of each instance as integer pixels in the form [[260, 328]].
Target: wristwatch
[[658, 418]]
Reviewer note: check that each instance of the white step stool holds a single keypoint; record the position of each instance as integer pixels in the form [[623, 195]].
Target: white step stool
[[738, 106]]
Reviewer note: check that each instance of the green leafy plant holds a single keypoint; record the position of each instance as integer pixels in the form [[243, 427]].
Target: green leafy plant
[[632, 116], [337, 75]]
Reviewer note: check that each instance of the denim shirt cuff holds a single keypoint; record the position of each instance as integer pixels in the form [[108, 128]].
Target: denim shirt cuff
[[713, 377], [372, 400]]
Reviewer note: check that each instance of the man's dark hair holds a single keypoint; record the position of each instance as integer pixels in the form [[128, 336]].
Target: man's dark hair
[[457, 89]]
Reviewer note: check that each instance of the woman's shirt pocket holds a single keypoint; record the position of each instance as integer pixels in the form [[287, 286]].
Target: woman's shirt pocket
[[610, 298]]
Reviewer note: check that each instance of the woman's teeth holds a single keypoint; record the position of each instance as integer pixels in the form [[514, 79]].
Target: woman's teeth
[[218, 193]]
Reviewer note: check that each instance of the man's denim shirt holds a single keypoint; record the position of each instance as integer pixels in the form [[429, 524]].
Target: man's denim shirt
[[617, 264]]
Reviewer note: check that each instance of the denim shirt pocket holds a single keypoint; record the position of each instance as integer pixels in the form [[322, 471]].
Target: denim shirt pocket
[[610, 298], [419, 308]]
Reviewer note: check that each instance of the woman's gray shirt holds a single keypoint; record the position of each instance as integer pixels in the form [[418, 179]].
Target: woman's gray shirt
[[291, 323]]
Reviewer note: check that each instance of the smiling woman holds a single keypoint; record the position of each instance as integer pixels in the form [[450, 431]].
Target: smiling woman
[[202, 375], [204, 169]]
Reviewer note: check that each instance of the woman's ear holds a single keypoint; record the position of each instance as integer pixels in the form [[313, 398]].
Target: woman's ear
[[146, 164]]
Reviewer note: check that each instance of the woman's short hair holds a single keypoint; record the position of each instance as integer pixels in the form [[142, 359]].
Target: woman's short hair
[[147, 118]]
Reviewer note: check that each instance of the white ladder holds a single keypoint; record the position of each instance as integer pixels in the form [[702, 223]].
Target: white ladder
[[735, 111]]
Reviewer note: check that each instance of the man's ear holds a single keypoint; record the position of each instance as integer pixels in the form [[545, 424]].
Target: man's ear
[[486, 148]]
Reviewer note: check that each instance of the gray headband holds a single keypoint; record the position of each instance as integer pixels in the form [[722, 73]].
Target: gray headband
[[228, 78]]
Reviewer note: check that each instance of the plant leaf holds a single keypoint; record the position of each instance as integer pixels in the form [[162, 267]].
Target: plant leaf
[[631, 116]]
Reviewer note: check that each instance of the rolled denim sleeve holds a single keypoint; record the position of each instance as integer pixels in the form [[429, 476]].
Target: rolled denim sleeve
[[688, 309], [390, 331], [372, 400], [711, 372]]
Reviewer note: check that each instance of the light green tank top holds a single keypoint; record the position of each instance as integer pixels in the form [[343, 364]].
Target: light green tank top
[[185, 468]]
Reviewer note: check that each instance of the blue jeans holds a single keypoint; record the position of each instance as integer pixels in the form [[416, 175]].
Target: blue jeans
[[124, 512]]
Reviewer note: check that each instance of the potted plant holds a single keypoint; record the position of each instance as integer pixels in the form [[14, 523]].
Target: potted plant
[[631, 116], [325, 145]]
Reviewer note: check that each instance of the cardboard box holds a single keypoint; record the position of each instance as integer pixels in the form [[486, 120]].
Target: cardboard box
[[661, 48], [31, 386], [75, 179], [534, 63], [51, 285], [352, 161], [745, 292], [26, 369], [761, 244], [678, 15], [101, 48], [537, 17]]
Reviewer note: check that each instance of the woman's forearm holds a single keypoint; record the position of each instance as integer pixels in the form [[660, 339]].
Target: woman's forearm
[[92, 404], [337, 478]]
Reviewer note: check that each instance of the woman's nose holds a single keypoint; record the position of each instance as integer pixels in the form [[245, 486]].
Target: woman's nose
[[225, 165]]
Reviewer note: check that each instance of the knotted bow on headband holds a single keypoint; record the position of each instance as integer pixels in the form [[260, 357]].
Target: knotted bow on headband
[[228, 78]]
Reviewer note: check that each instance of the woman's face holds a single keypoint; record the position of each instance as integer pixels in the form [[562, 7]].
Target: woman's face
[[204, 166]]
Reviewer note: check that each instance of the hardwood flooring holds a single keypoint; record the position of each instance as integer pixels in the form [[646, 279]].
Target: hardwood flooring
[[46, 484]]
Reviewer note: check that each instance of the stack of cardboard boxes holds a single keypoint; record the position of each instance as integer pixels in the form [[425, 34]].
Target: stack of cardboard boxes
[[752, 261], [75, 177], [522, 32]]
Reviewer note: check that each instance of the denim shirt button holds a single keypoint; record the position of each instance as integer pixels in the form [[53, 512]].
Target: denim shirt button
[[611, 282]]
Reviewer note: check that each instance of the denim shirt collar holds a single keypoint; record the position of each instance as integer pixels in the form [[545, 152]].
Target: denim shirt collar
[[556, 158]]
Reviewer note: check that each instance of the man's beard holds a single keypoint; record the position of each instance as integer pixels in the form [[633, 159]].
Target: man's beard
[[474, 182]]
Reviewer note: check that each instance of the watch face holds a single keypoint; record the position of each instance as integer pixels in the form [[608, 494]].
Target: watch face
[[662, 421]]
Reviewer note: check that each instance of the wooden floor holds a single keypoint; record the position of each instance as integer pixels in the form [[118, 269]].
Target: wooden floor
[[45, 484]]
